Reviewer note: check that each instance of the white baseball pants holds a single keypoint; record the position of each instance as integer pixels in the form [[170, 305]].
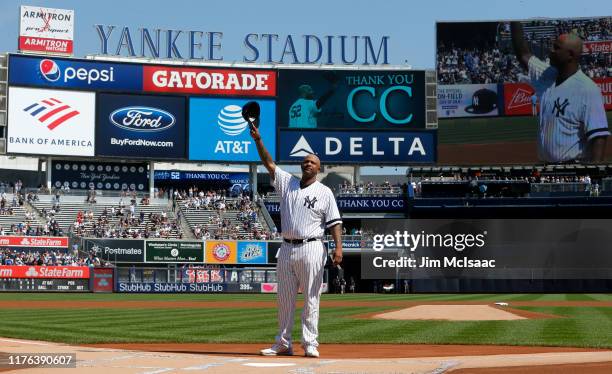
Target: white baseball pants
[[300, 266]]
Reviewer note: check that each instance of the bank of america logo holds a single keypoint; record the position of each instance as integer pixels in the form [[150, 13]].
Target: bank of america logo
[[51, 112]]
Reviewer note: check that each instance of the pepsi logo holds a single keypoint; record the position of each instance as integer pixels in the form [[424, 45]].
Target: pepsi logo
[[140, 118], [49, 70], [230, 120]]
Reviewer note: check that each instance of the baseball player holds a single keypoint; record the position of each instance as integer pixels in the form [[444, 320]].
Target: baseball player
[[304, 111], [573, 123], [307, 209]]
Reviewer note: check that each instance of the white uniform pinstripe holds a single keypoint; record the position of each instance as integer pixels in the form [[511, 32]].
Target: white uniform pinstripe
[[571, 114], [305, 213]]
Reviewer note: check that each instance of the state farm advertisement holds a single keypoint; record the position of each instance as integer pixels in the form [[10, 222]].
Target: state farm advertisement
[[605, 85], [70, 272], [34, 241], [46, 30], [597, 47], [517, 99], [207, 81]]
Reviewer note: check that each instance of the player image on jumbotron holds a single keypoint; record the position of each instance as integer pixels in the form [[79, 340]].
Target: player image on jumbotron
[[573, 123], [547, 91], [304, 111]]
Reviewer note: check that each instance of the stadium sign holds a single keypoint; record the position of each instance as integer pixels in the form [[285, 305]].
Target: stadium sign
[[46, 30], [255, 252], [468, 100], [209, 81], [383, 204], [351, 99], [217, 131], [269, 48], [99, 175], [70, 272], [140, 126], [116, 250], [34, 242], [73, 73], [50, 122], [358, 147], [164, 251]]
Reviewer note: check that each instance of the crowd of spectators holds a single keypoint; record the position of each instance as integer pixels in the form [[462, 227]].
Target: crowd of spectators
[[122, 221], [494, 62], [48, 258]]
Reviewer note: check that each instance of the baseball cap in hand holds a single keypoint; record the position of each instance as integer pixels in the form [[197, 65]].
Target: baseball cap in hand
[[483, 101]]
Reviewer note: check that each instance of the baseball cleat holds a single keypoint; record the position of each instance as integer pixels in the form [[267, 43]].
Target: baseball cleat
[[277, 350], [311, 352]]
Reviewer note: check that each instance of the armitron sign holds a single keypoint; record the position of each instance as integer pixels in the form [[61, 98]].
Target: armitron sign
[[46, 30]]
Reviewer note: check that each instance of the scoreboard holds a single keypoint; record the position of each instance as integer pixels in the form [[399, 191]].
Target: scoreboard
[[41, 284]]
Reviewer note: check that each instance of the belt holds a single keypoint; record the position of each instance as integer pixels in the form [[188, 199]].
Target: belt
[[299, 241]]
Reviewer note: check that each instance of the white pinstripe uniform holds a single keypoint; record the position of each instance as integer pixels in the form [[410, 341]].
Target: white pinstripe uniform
[[305, 213], [571, 114]]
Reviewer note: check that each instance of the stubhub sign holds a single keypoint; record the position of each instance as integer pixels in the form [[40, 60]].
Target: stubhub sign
[[217, 131], [73, 73], [358, 146]]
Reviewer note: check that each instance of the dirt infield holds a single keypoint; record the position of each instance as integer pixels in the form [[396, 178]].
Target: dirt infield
[[335, 358], [91, 304]]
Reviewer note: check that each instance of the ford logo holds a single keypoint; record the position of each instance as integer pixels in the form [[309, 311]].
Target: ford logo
[[142, 118]]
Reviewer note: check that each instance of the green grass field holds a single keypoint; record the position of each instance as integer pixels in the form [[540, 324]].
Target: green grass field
[[580, 327]]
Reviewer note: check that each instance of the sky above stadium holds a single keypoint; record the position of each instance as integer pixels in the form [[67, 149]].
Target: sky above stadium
[[410, 27]]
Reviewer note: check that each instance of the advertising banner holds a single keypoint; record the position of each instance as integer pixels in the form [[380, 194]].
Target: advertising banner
[[51, 242], [74, 272], [217, 131], [221, 252], [117, 250], [605, 84], [165, 251], [197, 275], [358, 147], [255, 252], [273, 248], [604, 46], [139, 126], [468, 100], [72, 73], [209, 81], [113, 176], [188, 287], [519, 100], [272, 207], [50, 122], [383, 204], [351, 99], [46, 30], [103, 279]]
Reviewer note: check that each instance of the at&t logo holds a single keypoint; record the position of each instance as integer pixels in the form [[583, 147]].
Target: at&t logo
[[231, 123]]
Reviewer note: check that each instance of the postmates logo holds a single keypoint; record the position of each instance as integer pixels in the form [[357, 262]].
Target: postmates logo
[[221, 252]]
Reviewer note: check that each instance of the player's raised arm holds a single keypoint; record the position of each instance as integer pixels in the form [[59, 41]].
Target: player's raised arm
[[521, 48], [264, 155]]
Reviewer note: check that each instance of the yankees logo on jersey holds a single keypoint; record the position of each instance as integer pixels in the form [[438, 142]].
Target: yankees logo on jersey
[[559, 108], [309, 202], [571, 113]]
